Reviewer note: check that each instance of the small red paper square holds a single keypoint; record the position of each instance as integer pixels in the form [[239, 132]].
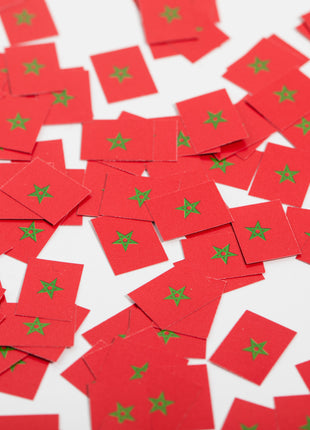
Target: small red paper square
[[45, 190], [263, 64], [123, 74], [28, 21], [52, 152], [33, 69], [27, 237], [218, 253], [33, 422], [9, 356], [175, 294], [246, 415], [283, 174], [232, 171], [284, 101], [188, 210], [304, 30], [304, 371], [166, 23], [263, 232], [21, 119], [129, 244], [293, 412], [253, 347], [49, 290], [72, 102], [211, 120], [126, 196], [299, 133], [118, 140], [299, 220]]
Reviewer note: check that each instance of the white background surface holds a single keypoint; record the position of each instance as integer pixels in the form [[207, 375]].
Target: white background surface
[[95, 26]]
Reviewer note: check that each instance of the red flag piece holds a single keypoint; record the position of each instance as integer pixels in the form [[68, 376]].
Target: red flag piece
[[292, 412], [49, 290], [218, 252], [26, 237], [50, 151], [45, 190], [304, 30], [126, 196], [232, 171], [188, 210], [9, 356], [211, 120], [304, 371], [33, 69], [266, 62], [126, 323], [299, 220], [129, 244], [53, 353], [24, 377], [20, 331], [284, 101], [79, 375], [253, 347], [299, 133], [28, 21], [283, 174], [263, 232], [35, 422], [123, 74], [118, 140], [166, 23], [176, 294], [72, 101], [246, 415], [21, 119]]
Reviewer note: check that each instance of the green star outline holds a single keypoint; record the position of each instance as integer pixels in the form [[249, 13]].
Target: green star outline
[[122, 414], [40, 193], [167, 335], [120, 74], [33, 67], [160, 403], [223, 253], [304, 125], [257, 231], [34, 231], [183, 140], [24, 17], [18, 122], [49, 291], [215, 119], [256, 349], [220, 164], [287, 174], [125, 240], [171, 13], [36, 326], [259, 65], [177, 295], [62, 98], [140, 196], [189, 208], [138, 371], [118, 142], [285, 94]]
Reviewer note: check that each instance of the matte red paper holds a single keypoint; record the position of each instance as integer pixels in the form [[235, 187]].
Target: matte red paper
[[252, 330]]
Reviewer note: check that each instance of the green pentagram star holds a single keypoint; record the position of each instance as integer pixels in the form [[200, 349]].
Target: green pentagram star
[[118, 142], [30, 231], [121, 74], [259, 65], [307, 425], [138, 371], [285, 94], [124, 240], [171, 13], [16, 364], [217, 164], [287, 174], [24, 17], [62, 98], [189, 208], [304, 125], [5, 349], [183, 140], [122, 414], [40, 193], [177, 295], [33, 67], [18, 122], [50, 288], [257, 231], [160, 404], [140, 196], [215, 119], [308, 234], [256, 349], [243, 427], [223, 253], [167, 335], [36, 326]]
